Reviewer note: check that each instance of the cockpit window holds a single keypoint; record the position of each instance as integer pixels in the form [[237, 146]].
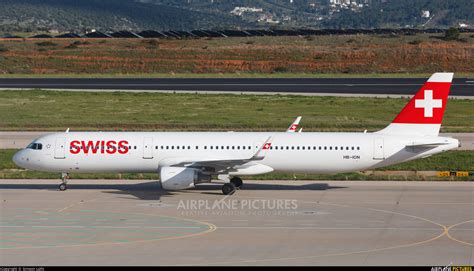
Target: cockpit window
[[35, 146]]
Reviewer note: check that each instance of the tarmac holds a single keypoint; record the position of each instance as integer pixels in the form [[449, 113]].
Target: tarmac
[[134, 222]]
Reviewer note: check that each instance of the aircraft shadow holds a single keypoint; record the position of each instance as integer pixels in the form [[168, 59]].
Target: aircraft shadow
[[144, 191], [265, 187], [152, 190]]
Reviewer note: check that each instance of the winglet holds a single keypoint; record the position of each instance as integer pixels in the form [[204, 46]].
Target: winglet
[[294, 125], [262, 151]]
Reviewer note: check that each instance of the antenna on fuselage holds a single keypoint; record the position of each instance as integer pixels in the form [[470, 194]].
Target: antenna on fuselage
[[67, 130]]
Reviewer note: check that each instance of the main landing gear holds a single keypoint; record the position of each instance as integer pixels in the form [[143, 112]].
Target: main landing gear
[[63, 185], [232, 186]]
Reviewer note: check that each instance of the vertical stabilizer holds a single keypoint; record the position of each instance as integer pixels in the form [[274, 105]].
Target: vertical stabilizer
[[424, 113]]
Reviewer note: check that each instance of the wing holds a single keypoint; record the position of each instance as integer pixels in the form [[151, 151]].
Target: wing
[[217, 164]]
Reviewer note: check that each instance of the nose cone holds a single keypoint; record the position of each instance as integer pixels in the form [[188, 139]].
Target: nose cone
[[19, 158]]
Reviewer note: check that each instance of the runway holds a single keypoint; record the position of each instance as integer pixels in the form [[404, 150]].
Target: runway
[[462, 87], [117, 222]]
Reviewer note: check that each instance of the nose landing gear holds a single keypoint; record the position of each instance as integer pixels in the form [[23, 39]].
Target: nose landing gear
[[63, 185]]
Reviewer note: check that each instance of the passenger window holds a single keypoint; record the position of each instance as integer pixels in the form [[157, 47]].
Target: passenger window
[[358, 148], [335, 148]]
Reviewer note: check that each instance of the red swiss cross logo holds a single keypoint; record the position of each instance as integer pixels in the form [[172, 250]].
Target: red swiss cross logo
[[267, 146]]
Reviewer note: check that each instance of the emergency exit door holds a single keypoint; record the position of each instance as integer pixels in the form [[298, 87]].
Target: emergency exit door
[[378, 148], [148, 148], [60, 148]]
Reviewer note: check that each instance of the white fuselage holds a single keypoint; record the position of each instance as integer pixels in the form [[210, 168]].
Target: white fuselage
[[290, 152]]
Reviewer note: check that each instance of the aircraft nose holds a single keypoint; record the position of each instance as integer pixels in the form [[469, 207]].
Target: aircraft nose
[[19, 158]]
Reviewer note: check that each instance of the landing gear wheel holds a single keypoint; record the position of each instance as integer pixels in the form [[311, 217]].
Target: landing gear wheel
[[64, 178], [63, 187], [237, 181], [229, 188]]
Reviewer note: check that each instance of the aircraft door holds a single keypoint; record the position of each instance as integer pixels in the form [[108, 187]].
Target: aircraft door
[[60, 148], [378, 148], [148, 148]]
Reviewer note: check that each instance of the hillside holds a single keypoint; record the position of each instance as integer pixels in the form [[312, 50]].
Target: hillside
[[323, 13], [65, 15], [402, 13], [73, 15]]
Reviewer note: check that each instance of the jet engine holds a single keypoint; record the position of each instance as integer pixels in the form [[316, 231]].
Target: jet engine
[[177, 178]]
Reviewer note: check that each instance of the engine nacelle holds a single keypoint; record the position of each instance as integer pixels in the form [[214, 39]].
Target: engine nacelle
[[177, 178]]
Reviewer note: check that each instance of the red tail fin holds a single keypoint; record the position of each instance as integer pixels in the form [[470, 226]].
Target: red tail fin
[[424, 113]]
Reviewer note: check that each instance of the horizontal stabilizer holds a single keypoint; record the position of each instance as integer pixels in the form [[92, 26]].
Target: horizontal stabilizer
[[427, 144]]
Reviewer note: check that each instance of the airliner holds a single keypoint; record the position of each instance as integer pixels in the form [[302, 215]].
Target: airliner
[[186, 159]]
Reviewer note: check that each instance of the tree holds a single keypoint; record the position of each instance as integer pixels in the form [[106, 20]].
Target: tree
[[451, 34]]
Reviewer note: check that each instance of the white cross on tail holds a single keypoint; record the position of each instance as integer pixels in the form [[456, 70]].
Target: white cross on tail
[[428, 103]]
